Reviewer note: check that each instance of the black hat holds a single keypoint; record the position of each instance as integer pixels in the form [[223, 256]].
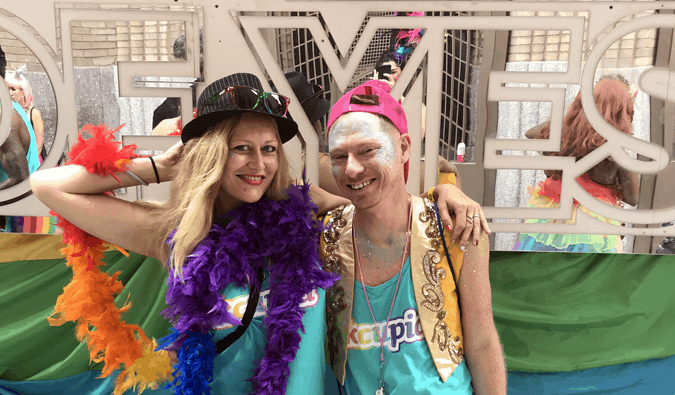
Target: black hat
[[209, 114], [315, 107]]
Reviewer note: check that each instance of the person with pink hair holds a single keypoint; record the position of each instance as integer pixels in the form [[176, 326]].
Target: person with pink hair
[[22, 93]]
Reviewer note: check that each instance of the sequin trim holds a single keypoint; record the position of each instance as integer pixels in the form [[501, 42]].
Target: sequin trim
[[335, 295], [433, 292]]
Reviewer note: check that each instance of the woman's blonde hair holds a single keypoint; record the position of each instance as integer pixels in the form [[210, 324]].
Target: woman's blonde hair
[[195, 187]]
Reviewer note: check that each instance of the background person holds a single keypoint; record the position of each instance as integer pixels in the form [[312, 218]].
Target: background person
[[447, 171], [22, 93], [606, 181], [18, 153], [387, 60]]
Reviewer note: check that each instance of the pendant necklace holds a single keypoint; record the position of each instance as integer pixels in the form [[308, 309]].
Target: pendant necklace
[[381, 390]]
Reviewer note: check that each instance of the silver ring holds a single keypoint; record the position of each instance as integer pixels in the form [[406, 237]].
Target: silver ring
[[476, 215], [469, 220]]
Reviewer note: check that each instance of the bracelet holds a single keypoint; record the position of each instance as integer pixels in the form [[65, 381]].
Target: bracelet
[[137, 178], [430, 194], [154, 167]]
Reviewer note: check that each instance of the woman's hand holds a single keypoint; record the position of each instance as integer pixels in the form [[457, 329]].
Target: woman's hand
[[168, 160], [468, 214]]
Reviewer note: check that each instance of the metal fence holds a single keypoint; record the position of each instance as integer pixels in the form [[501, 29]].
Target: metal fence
[[463, 54]]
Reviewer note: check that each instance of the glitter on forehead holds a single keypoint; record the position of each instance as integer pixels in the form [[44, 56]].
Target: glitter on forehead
[[368, 126]]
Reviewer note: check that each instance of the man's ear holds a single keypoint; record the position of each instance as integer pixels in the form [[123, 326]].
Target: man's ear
[[405, 147]]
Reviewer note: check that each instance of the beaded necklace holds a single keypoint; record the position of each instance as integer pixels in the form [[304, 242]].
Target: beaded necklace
[[381, 390]]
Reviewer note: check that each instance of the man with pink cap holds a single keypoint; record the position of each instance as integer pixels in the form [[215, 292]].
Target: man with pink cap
[[411, 303]]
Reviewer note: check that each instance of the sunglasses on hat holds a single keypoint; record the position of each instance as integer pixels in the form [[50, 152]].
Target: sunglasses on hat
[[317, 91], [246, 98]]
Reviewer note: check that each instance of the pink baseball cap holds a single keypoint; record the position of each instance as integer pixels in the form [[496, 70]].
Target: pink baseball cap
[[387, 106]]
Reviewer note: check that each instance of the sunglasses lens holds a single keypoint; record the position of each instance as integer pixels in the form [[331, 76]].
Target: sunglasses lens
[[317, 90], [214, 98], [276, 104], [245, 98]]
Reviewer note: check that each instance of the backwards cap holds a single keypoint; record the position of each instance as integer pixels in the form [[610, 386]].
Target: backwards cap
[[387, 106]]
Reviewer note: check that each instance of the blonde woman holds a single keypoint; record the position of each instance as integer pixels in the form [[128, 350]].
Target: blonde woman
[[246, 289]]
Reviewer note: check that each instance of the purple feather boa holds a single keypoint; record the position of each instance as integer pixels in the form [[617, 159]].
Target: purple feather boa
[[283, 232]]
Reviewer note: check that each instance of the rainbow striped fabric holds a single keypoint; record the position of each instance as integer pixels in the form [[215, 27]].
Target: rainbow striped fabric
[[31, 225], [592, 324]]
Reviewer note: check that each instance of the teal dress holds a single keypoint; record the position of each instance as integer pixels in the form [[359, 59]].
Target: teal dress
[[32, 154]]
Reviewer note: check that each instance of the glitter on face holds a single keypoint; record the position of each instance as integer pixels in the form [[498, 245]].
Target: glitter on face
[[231, 154], [369, 126]]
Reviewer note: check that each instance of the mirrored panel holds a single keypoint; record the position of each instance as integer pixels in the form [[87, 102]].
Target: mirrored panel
[[494, 96]]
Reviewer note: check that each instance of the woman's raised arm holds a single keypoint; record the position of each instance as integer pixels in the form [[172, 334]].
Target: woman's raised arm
[[74, 193]]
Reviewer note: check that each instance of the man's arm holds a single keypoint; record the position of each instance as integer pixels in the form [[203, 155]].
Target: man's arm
[[483, 352], [13, 161], [20, 129], [450, 200], [629, 185], [38, 129]]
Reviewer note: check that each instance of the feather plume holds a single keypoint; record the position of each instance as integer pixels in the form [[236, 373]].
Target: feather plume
[[89, 299], [146, 372]]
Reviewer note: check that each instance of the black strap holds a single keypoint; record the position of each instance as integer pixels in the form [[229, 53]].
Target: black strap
[[30, 118], [253, 296], [339, 386], [447, 255]]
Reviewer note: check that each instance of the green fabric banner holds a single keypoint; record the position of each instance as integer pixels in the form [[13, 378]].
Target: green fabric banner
[[31, 349], [565, 311], [554, 311]]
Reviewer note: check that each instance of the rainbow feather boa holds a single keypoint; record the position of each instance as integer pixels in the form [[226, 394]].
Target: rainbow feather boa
[[89, 298], [282, 232]]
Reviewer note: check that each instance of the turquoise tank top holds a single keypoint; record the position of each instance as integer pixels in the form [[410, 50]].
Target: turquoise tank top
[[237, 364], [32, 155], [408, 368]]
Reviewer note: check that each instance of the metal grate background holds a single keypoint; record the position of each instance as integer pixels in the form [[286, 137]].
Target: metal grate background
[[461, 74], [463, 54], [297, 51]]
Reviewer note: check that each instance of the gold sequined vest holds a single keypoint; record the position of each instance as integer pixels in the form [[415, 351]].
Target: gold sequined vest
[[435, 291]]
